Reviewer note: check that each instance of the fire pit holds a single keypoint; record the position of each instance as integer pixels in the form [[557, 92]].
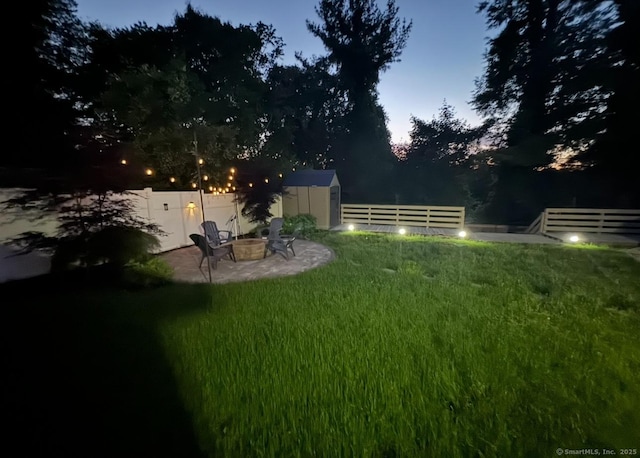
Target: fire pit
[[248, 249]]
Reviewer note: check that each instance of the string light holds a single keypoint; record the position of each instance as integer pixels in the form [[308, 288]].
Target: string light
[[228, 185], [232, 170], [280, 175], [205, 178], [200, 161], [266, 180], [234, 188], [149, 172], [193, 185], [123, 162], [230, 177], [172, 179], [251, 185], [211, 188]]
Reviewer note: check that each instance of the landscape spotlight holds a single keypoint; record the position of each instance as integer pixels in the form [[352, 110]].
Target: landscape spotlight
[[574, 238], [462, 234], [351, 227], [402, 231]]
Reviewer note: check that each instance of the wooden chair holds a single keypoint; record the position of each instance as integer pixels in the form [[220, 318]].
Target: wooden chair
[[215, 253]]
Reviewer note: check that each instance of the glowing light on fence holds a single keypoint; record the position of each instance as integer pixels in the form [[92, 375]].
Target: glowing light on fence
[[462, 234], [351, 227], [402, 231], [574, 238], [191, 205]]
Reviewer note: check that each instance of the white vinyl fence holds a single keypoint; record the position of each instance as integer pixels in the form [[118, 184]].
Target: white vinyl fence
[[177, 213]]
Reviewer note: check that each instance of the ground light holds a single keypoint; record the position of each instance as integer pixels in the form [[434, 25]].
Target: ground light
[[351, 227], [462, 234], [574, 238], [402, 231]]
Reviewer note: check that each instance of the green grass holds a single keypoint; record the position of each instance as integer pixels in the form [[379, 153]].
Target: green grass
[[401, 347]]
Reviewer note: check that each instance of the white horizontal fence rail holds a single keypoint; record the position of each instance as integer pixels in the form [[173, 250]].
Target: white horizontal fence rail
[[592, 220], [405, 215]]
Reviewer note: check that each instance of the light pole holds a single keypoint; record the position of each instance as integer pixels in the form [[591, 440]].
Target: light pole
[[199, 163]]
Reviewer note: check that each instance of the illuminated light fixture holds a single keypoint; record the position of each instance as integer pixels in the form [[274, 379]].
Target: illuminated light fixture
[[280, 175], [293, 169], [233, 170], [149, 172], [228, 185], [172, 179], [462, 234], [226, 190], [123, 162], [191, 205], [211, 188], [220, 189], [200, 161], [266, 180], [234, 188], [251, 185], [230, 177], [193, 185], [205, 178], [351, 227], [574, 238], [402, 231]]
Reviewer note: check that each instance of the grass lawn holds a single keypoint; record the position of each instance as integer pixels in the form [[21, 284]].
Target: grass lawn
[[401, 347]]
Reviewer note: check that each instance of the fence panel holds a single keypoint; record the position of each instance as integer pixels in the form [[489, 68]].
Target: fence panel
[[591, 220], [406, 215]]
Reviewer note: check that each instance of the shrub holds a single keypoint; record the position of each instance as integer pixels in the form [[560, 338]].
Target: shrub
[[152, 272], [112, 245], [306, 224]]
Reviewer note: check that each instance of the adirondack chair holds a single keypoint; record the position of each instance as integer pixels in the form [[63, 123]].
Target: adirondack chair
[[275, 242], [215, 236], [215, 253], [289, 239]]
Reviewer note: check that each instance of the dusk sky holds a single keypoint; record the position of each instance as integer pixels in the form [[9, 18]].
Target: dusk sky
[[442, 58]]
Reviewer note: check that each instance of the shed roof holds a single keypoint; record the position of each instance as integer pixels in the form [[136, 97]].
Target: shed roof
[[310, 177]]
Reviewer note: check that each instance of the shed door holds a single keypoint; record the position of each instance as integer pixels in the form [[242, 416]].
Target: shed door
[[334, 206]]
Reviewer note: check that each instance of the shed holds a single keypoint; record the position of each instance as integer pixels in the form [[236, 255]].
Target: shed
[[315, 192]]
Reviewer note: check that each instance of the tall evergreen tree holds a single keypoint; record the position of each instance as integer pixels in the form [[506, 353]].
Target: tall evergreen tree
[[49, 49], [362, 41], [545, 76]]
